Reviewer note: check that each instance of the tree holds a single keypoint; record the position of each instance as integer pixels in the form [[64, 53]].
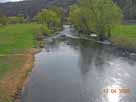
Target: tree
[[50, 18], [16, 19], [59, 12], [80, 19], [3, 20], [97, 16], [51, 22]]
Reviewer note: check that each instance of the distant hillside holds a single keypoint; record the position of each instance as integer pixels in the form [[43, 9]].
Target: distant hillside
[[31, 7], [128, 7]]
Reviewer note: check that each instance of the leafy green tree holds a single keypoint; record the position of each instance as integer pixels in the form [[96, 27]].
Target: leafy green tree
[[51, 18], [3, 20], [97, 16], [51, 21], [45, 30], [80, 19], [59, 12], [16, 19]]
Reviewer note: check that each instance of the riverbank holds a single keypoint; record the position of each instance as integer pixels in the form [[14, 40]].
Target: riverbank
[[18, 46], [124, 36], [16, 58], [13, 81]]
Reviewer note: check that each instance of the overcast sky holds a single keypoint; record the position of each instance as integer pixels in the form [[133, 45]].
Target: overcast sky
[[8, 0]]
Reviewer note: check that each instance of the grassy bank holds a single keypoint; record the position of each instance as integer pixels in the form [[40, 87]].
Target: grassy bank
[[17, 38], [13, 75], [16, 57], [124, 35]]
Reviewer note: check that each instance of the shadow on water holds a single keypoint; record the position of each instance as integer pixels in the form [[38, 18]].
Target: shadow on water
[[77, 70]]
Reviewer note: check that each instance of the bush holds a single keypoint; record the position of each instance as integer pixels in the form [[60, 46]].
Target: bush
[[50, 17], [16, 19], [44, 30], [3, 20], [40, 35]]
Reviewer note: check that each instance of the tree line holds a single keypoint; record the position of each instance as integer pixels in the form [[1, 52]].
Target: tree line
[[50, 21], [29, 8], [51, 18], [87, 16], [11, 20]]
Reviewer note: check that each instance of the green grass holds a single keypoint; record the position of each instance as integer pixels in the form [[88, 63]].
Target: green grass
[[8, 63], [17, 38], [14, 39], [124, 35]]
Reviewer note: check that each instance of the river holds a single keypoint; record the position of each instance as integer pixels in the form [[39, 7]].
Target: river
[[77, 70]]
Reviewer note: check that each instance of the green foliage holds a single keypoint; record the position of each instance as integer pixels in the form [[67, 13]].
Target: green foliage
[[80, 19], [16, 19], [51, 20], [50, 17], [45, 30], [42, 32], [3, 20], [58, 10], [97, 16]]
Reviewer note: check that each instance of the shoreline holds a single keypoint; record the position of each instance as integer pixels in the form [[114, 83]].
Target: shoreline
[[14, 81], [112, 44], [17, 96], [125, 48]]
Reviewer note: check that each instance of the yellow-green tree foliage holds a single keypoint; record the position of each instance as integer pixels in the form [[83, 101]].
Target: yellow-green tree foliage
[[50, 17], [97, 16], [16, 19]]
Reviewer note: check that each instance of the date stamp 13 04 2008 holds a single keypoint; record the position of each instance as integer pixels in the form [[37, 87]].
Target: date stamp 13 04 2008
[[116, 91]]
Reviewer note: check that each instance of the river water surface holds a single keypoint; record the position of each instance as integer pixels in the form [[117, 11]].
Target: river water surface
[[76, 70]]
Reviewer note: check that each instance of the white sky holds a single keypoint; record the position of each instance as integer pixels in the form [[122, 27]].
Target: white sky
[[9, 0]]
